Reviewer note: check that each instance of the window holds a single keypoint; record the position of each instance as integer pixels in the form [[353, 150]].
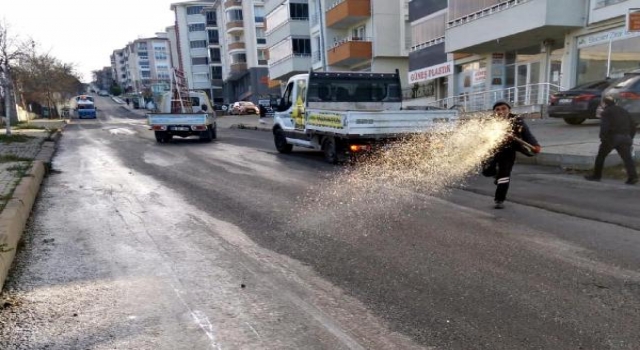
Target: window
[[160, 56], [144, 64], [260, 36], [239, 58], [234, 15], [262, 55], [196, 27], [216, 72], [461, 8], [199, 60], [301, 46], [258, 13], [359, 33], [299, 11], [214, 54], [594, 64], [198, 44], [142, 46], [212, 18], [145, 74], [162, 67], [214, 37], [430, 29], [605, 3], [194, 10], [143, 55]]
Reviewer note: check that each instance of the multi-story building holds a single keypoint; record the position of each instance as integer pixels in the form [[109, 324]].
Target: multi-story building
[[245, 70], [430, 68], [216, 52], [288, 38], [118, 67], [360, 35], [192, 44]]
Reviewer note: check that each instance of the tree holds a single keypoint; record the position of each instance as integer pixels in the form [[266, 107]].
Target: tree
[[10, 50], [116, 90]]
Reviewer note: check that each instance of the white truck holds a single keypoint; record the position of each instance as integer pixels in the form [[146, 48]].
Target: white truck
[[346, 113], [186, 114]]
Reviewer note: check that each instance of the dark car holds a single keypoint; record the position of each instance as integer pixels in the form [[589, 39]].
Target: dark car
[[626, 92], [578, 104]]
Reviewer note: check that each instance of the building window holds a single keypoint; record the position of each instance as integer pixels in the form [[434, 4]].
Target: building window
[[194, 10], [214, 37], [262, 55], [214, 54], [359, 33], [258, 13], [605, 3], [299, 11], [161, 56], [145, 74], [144, 64], [461, 8], [594, 63], [142, 46], [199, 60], [301, 46], [212, 18], [234, 15], [238, 58], [216, 72], [198, 44], [196, 27], [428, 30], [260, 36]]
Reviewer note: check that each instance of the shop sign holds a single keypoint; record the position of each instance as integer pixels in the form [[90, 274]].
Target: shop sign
[[480, 76], [430, 73], [605, 37], [633, 20]]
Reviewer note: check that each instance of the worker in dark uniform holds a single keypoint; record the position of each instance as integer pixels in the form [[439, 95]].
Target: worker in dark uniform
[[617, 129], [501, 164]]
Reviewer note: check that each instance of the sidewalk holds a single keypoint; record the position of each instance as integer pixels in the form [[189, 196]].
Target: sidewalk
[[25, 156]]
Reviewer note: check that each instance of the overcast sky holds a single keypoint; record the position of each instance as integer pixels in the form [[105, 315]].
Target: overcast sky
[[85, 33]]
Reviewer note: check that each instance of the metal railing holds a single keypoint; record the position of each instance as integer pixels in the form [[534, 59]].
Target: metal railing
[[501, 6], [525, 95], [350, 38]]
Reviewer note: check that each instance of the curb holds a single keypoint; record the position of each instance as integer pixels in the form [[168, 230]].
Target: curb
[[16, 213]]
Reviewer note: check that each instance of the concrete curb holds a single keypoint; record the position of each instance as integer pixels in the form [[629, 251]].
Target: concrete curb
[[15, 214]]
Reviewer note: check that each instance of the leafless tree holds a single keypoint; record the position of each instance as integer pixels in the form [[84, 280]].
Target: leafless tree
[[10, 50]]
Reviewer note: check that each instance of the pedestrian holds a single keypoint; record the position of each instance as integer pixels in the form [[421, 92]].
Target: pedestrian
[[128, 101], [501, 163], [263, 113], [617, 130]]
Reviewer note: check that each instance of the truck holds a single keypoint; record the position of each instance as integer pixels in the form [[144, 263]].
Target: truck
[[344, 114], [84, 107], [183, 113]]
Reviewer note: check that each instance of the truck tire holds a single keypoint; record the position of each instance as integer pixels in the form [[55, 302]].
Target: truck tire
[[574, 121], [163, 137], [280, 140], [206, 136], [214, 132], [330, 150]]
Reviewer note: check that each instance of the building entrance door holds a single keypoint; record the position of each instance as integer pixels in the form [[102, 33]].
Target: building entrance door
[[527, 85]]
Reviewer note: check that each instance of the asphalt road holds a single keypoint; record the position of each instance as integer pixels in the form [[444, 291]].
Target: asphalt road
[[229, 245]]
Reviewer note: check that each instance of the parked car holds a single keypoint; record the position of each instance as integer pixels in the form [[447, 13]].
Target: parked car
[[578, 104], [103, 93], [244, 107], [626, 92]]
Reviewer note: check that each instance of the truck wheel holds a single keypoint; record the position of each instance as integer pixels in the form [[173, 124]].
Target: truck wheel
[[206, 136], [214, 132], [330, 150], [161, 136], [281, 142], [574, 121]]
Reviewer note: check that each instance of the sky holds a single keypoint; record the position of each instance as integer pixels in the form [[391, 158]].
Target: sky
[[85, 33]]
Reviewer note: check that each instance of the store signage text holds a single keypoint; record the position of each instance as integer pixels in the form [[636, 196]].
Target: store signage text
[[429, 73], [604, 37]]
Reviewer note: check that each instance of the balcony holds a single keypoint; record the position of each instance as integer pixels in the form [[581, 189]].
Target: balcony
[[521, 21], [286, 29], [237, 46], [289, 66], [346, 13], [240, 67], [235, 26], [349, 52]]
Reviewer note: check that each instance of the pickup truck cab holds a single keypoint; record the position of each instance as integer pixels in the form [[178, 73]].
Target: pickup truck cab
[[346, 113]]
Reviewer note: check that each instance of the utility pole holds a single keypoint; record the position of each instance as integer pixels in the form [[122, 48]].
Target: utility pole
[[7, 88]]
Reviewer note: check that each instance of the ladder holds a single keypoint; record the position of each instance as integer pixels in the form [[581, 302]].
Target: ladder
[[180, 101]]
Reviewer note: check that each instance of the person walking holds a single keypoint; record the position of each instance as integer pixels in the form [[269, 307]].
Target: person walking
[[500, 165], [128, 101], [617, 130]]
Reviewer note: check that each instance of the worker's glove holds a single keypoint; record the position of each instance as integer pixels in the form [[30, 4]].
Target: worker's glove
[[537, 149]]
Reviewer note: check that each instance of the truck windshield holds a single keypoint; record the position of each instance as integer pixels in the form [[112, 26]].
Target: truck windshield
[[356, 89]]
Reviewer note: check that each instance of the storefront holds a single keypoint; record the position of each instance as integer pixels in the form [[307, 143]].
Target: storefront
[[608, 53]]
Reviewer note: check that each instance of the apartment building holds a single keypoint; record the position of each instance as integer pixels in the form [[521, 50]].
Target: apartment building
[[192, 43], [243, 45], [288, 38], [118, 67], [360, 35], [430, 67], [104, 78]]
